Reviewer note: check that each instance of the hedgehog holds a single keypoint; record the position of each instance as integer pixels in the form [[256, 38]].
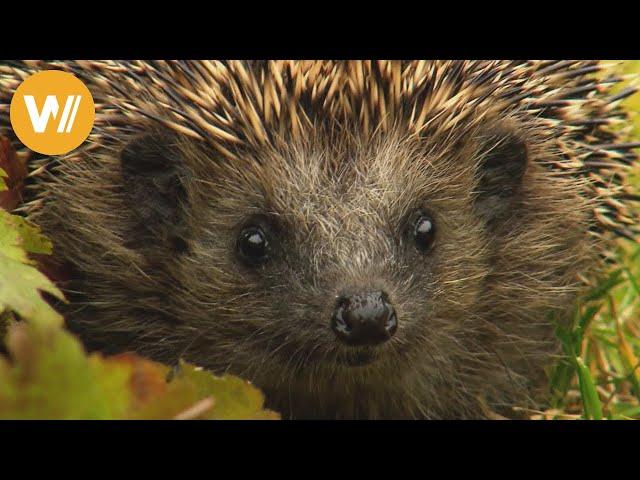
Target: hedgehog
[[360, 239]]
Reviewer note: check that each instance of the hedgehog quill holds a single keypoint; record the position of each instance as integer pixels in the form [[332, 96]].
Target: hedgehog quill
[[388, 239]]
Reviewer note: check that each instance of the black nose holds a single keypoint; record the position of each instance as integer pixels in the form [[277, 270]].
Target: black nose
[[364, 319]]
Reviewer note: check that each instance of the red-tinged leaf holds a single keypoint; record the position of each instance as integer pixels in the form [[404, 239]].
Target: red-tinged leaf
[[48, 375], [15, 171]]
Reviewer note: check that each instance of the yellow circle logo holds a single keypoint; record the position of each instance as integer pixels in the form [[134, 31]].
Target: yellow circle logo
[[52, 112]]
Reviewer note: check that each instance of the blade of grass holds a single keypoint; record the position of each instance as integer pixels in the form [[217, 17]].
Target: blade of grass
[[590, 398]]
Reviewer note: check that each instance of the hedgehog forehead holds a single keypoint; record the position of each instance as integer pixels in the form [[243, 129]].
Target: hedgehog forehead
[[355, 182]]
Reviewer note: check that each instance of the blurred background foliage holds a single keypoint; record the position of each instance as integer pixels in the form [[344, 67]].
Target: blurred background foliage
[[600, 376]]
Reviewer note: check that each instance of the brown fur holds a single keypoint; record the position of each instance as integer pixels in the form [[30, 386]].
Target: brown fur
[[475, 314]]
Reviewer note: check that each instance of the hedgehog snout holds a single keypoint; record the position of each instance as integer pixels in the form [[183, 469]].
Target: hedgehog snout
[[364, 318]]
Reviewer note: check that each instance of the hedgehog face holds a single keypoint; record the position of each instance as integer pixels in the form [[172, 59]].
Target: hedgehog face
[[336, 266], [361, 239], [302, 239], [446, 262]]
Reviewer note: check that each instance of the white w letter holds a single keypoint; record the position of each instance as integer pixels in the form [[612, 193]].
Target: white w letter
[[40, 120]]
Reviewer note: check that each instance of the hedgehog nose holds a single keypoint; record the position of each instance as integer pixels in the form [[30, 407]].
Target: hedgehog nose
[[364, 319]]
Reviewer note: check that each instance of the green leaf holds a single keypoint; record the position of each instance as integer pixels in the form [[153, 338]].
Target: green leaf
[[234, 397], [561, 381], [20, 282], [49, 376], [10, 240], [3, 175], [581, 325], [20, 287], [590, 398], [33, 241]]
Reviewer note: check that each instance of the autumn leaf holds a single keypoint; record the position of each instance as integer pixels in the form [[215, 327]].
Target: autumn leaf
[[14, 171], [234, 397], [48, 375], [31, 238], [21, 283]]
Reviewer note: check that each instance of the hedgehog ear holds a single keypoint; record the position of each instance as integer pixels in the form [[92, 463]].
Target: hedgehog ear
[[153, 178], [500, 174]]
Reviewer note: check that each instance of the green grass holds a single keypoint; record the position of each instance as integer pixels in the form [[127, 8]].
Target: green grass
[[599, 376]]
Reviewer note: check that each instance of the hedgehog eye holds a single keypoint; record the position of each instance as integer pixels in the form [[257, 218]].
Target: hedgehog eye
[[253, 245], [424, 233]]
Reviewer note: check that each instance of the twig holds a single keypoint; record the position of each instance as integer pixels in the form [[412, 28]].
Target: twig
[[196, 410]]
